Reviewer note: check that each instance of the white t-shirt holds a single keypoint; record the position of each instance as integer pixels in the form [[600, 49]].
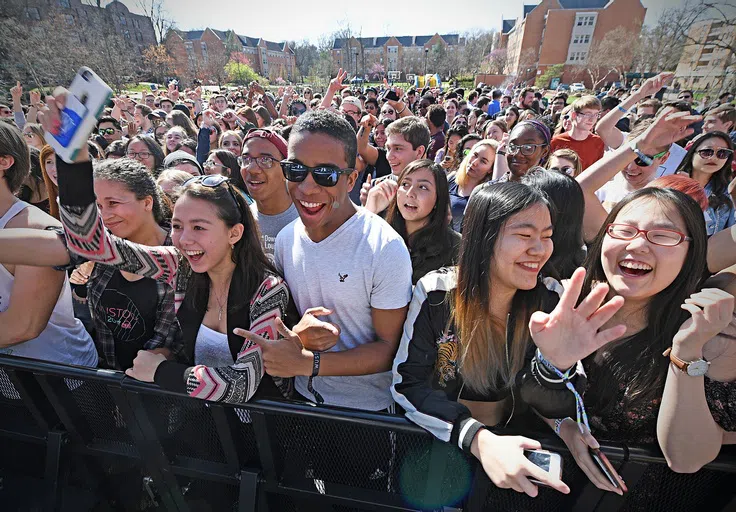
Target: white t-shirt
[[364, 264], [613, 192]]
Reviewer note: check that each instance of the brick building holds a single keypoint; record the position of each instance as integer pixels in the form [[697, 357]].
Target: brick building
[[135, 28], [562, 32], [404, 54], [194, 50], [706, 63]]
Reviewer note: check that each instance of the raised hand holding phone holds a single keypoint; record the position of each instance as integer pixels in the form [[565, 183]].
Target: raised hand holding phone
[[72, 115]]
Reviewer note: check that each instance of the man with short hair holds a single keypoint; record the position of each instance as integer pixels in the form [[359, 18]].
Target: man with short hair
[[494, 107], [351, 106], [349, 274], [220, 103], [687, 96], [559, 102], [371, 93], [142, 120], [472, 98], [166, 105], [424, 104], [721, 119], [411, 100], [483, 103], [150, 100], [109, 129], [436, 116], [580, 138], [525, 99], [5, 111]]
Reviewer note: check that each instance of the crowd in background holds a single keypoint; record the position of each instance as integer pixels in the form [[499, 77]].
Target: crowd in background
[[468, 258]]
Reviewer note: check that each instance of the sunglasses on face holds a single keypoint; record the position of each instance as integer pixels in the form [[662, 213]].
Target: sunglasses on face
[[323, 175], [663, 237], [526, 149], [641, 163], [214, 181], [106, 131], [264, 162], [720, 153], [388, 111]]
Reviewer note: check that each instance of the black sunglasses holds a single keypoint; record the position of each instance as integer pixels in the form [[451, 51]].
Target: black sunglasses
[[214, 181], [106, 131], [323, 175]]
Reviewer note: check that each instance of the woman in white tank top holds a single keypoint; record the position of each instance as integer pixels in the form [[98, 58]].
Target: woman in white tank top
[[31, 297]]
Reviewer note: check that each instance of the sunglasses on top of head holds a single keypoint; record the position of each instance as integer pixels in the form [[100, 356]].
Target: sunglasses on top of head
[[323, 175], [214, 181]]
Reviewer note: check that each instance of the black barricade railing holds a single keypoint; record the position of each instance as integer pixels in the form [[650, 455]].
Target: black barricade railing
[[134, 443]]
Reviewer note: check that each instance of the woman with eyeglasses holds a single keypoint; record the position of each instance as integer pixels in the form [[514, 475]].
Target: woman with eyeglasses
[[145, 150], [34, 136], [261, 171], [670, 379], [466, 341], [527, 147], [565, 161], [475, 169], [221, 277], [708, 161]]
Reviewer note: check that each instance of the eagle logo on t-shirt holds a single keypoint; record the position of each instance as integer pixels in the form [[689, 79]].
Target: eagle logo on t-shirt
[[342, 277]]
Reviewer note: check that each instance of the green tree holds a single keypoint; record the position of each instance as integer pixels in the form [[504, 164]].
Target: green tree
[[239, 70], [551, 72]]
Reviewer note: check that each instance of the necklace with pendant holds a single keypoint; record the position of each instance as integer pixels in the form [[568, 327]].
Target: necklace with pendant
[[220, 305]]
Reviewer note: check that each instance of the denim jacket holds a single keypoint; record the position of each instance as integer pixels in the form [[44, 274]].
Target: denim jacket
[[720, 218]]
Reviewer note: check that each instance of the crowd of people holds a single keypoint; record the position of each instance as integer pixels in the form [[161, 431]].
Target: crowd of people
[[467, 258]]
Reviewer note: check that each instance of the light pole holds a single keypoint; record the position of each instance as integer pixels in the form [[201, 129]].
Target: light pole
[[426, 54], [355, 54]]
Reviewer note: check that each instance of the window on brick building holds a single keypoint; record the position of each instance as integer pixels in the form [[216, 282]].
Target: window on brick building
[[64, 4], [32, 13], [123, 20], [205, 55], [126, 34], [138, 36]]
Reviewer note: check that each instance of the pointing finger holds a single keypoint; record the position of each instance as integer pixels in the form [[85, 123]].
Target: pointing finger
[[258, 340]]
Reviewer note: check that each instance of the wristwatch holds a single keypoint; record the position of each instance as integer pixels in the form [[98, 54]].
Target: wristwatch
[[643, 157], [696, 368]]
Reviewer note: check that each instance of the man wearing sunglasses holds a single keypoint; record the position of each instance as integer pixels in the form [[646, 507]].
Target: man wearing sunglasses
[[109, 129], [580, 138], [344, 265]]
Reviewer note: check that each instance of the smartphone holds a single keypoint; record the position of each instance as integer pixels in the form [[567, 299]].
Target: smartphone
[[550, 462], [391, 95], [85, 102], [607, 469]]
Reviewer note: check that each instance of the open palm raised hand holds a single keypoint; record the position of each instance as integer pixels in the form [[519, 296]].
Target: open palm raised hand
[[571, 333]]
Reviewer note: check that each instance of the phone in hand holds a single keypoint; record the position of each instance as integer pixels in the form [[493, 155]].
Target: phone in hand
[[390, 95], [88, 94], [607, 469], [550, 462]]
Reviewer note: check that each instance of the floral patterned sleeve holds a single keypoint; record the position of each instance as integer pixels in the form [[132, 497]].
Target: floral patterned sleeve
[[721, 398]]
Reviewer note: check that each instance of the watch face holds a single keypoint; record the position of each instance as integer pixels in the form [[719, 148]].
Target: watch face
[[697, 368]]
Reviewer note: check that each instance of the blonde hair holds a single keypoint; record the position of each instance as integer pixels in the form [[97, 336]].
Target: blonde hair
[[567, 154], [461, 176]]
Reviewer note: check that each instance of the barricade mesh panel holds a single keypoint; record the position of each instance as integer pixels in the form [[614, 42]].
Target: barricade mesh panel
[[14, 414], [205, 496], [247, 438], [662, 490], [185, 427], [318, 453], [548, 500], [102, 415]]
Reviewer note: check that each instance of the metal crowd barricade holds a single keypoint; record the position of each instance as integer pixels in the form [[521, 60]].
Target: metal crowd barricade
[[142, 448]]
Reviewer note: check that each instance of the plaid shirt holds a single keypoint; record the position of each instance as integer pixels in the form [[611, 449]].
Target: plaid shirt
[[166, 329]]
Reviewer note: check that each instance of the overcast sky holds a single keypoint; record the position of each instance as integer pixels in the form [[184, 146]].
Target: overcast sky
[[308, 19]]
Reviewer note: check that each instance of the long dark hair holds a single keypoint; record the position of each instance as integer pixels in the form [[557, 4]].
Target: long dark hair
[[719, 180], [483, 358], [230, 161], [431, 240], [568, 201], [251, 263], [638, 362]]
